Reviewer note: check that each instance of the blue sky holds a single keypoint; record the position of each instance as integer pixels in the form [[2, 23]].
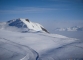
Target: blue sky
[[42, 11]]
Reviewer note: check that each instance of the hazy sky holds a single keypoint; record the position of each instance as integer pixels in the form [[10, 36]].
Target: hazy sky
[[43, 11]]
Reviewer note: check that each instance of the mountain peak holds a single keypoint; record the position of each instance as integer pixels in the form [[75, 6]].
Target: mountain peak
[[26, 23], [22, 19]]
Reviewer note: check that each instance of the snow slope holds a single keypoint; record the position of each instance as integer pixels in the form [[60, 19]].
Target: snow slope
[[38, 46]]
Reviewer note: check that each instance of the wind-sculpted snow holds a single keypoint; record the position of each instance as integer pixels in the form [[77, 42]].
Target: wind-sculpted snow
[[38, 46]]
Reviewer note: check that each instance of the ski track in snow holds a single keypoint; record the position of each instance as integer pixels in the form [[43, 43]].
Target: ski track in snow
[[23, 48]]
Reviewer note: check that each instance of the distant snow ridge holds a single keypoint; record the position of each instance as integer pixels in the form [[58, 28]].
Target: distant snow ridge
[[74, 28], [25, 25]]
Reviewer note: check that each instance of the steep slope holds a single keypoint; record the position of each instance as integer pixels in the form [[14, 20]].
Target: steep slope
[[25, 23]]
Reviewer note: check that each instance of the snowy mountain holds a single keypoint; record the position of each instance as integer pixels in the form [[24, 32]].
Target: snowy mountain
[[74, 28], [36, 46], [24, 25]]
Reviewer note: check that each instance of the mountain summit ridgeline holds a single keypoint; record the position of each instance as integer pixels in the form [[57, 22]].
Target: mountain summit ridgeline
[[24, 24]]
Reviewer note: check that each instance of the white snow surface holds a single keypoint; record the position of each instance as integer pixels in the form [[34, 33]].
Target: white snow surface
[[31, 25], [38, 46]]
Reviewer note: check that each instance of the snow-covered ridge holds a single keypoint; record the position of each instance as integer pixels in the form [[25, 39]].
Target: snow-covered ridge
[[25, 25], [74, 28]]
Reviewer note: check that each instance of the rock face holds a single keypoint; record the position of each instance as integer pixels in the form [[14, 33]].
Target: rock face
[[26, 23]]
